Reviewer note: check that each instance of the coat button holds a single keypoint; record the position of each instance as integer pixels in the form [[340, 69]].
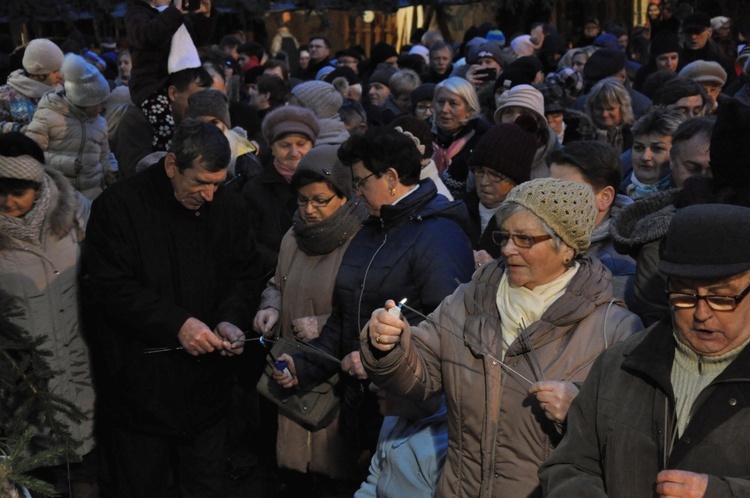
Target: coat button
[[497, 475], [732, 401], [494, 362], [56, 272]]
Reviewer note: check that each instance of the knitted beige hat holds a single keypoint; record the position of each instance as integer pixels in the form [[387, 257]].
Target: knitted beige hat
[[568, 208], [525, 96], [42, 57], [21, 168]]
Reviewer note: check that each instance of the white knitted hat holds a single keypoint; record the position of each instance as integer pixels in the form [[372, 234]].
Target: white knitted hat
[[84, 84], [42, 57]]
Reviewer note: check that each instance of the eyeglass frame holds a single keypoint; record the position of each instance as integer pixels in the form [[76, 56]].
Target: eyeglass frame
[[359, 183], [493, 176], [736, 298], [315, 203], [531, 240]]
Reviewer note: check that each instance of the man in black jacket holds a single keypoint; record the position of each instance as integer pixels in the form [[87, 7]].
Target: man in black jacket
[[170, 263], [666, 412]]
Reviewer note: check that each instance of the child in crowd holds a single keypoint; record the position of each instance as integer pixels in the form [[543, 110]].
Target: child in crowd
[[69, 128]]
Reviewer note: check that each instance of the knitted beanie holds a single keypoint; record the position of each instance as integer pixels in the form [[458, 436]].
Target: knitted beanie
[[604, 63], [422, 51], [512, 77], [425, 91], [323, 72], [324, 160], [84, 84], [568, 208], [42, 57], [718, 21], [383, 74], [290, 119], [525, 96], [496, 36], [320, 97], [343, 72], [381, 52], [21, 168], [525, 45], [704, 72], [666, 42], [209, 102], [508, 149], [606, 40], [484, 50]]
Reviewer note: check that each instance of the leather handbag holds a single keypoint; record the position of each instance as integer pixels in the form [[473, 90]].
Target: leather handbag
[[312, 406]]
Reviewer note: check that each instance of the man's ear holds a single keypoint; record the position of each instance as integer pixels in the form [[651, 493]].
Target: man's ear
[[170, 165], [172, 93], [604, 198]]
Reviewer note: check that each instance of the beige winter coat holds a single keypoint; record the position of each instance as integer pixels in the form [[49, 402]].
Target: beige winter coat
[[66, 134], [498, 434], [45, 281], [303, 287]]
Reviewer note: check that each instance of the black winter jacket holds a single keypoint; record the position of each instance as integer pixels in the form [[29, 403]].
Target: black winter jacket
[[151, 265]]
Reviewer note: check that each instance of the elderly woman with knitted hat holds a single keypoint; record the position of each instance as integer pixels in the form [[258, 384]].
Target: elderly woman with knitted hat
[[40, 74], [299, 298], [457, 127], [69, 127], [525, 99], [290, 132], [509, 348], [42, 223]]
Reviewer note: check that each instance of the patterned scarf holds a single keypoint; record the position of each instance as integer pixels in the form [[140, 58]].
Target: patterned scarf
[[29, 226], [326, 235], [443, 157]]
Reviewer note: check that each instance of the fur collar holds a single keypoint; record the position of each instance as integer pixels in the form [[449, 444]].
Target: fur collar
[[61, 217]]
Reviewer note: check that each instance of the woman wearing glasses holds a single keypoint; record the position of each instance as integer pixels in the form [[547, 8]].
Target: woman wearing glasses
[[290, 133], [501, 160], [509, 348], [412, 246], [298, 299]]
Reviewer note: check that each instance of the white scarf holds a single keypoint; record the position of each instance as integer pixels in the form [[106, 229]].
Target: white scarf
[[23, 84], [519, 307], [485, 215]]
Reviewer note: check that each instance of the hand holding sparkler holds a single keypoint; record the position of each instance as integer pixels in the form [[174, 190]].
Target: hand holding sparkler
[[386, 326]]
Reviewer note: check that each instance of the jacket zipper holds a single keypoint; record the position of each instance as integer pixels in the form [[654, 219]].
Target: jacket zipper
[[80, 155], [364, 281]]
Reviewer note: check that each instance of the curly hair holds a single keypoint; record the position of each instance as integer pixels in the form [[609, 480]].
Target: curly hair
[[381, 148]]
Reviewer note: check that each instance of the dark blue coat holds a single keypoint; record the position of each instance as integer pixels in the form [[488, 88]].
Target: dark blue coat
[[417, 249]]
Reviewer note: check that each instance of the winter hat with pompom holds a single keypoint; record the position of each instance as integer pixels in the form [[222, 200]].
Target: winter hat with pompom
[[84, 84]]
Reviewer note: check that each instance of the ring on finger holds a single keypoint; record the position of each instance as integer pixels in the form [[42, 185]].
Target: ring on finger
[[377, 339]]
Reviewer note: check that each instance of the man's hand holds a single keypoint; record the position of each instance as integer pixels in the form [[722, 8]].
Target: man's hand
[[352, 365], [265, 320], [554, 397], [681, 483], [233, 338], [385, 329], [197, 338], [305, 328], [286, 380]]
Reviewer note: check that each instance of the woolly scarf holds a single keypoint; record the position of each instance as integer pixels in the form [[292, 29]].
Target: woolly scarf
[[23, 84], [29, 227], [324, 236], [519, 307], [285, 171], [443, 157]]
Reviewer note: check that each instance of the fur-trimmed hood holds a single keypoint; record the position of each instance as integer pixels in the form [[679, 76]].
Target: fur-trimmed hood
[[67, 210]]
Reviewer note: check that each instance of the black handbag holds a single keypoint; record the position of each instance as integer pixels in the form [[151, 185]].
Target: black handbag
[[312, 406]]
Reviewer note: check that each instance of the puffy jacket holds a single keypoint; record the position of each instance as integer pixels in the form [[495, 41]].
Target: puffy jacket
[[617, 425], [498, 434], [66, 134], [44, 278], [18, 100]]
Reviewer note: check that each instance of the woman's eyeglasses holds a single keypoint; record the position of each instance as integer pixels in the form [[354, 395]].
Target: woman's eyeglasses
[[716, 302], [360, 182], [491, 175], [520, 240], [315, 201]]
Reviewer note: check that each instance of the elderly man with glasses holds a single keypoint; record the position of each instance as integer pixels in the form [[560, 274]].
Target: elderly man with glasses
[[666, 412]]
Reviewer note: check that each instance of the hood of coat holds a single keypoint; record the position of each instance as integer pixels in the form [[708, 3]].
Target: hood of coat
[[643, 221], [589, 288], [58, 102], [422, 204], [23, 84], [61, 217]]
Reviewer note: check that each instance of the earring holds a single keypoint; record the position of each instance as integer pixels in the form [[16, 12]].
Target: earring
[[566, 261], [393, 191]]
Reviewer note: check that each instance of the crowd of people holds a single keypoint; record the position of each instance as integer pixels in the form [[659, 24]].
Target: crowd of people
[[511, 266]]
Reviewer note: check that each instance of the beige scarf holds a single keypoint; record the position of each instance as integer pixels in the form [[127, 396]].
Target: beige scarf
[[519, 307]]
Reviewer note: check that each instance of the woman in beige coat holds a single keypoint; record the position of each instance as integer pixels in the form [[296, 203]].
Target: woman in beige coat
[[42, 222], [298, 299], [509, 348]]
